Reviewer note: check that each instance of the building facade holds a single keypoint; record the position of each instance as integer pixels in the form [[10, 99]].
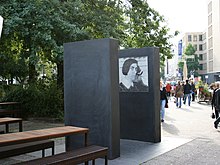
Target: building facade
[[213, 41], [207, 44], [198, 40]]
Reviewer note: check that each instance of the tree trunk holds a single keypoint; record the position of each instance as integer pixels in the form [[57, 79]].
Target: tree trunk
[[32, 73], [60, 74]]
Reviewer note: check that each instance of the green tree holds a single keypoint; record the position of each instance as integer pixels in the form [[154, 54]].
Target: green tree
[[192, 60], [148, 28], [37, 30]]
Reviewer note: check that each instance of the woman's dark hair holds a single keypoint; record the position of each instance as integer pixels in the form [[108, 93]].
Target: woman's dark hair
[[127, 64]]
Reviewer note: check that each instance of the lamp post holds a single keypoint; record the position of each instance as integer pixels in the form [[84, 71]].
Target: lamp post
[[206, 79], [1, 25], [185, 71]]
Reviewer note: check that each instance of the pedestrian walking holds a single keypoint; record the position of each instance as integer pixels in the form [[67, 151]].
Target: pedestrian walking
[[163, 101], [217, 106], [193, 90], [179, 94], [187, 92], [183, 83], [215, 87], [168, 90]]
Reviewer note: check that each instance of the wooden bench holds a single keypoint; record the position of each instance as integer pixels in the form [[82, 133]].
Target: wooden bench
[[9, 112], [9, 120], [82, 155], [18, 149]]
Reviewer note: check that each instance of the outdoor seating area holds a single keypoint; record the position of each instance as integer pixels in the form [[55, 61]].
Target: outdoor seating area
[[8, 120], [18, 149], [11, 109], [22, 142], [81, 155]]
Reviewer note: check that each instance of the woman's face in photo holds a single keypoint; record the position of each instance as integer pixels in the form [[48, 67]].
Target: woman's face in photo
[[132, 73]]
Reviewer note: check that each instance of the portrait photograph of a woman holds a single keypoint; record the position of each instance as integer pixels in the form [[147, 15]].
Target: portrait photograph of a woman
[[133, 74]]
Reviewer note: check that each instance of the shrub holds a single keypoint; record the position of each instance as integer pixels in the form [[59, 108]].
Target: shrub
[[38, 99]]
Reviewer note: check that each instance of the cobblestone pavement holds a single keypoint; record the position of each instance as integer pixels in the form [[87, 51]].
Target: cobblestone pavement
[[190, 127], [193, 122]]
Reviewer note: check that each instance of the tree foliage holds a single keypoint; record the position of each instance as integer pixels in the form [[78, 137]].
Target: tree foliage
[[148, 28], [192, 60], [35, 30]]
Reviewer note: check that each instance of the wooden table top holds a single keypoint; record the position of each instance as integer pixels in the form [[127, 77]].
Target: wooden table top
[[42, 134], [9, 119]]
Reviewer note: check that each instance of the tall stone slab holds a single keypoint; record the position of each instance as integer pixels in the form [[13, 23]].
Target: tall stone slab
[[140, 106], [91, 96]]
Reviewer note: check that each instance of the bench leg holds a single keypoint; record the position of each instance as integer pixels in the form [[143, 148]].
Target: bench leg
[[7, 128], [20, 126], [53, 152], [106, 160], [43, 153], [86, 139]]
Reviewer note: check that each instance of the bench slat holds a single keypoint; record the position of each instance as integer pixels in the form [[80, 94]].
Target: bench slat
[[72, 157], [14, 112], [18, 149], [10, 120]]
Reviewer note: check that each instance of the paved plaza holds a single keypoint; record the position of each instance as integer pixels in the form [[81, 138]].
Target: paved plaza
[[188, 137]]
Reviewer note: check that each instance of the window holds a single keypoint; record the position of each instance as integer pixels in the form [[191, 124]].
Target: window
[[195, 46], [195, 38], [204, 37], [200, 57], [200, 37], [200, 66], [204, 66], [189, 38], [210, 7], [204, 46], [210, 31], [210, 43], [205, 56], [209, 19], [210, 54], [210, 66], [200, 47]]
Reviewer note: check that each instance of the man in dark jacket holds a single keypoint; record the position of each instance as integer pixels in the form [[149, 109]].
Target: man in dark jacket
[[193, 89], [187, 92], [216, 87], [217, 106]]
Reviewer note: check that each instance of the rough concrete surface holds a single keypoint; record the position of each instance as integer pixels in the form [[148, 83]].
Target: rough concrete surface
[[188, 138]]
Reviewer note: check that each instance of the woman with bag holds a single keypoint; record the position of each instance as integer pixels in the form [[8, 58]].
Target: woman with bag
[[163, 101], [179, 94]]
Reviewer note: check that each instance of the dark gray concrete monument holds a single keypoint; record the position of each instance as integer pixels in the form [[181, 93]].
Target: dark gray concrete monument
[[139, 79], [91, 94]]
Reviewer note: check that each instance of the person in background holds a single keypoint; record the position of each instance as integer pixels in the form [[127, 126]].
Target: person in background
[[168, 89], [217, 106], [215, 87], [163, 101], [193, 90], [183, 83], [187, 92], [179, 94]]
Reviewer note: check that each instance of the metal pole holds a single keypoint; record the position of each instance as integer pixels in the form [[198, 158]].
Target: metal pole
[[1, 25]]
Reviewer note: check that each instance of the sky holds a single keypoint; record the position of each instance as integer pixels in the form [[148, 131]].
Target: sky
[[182, 15]]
